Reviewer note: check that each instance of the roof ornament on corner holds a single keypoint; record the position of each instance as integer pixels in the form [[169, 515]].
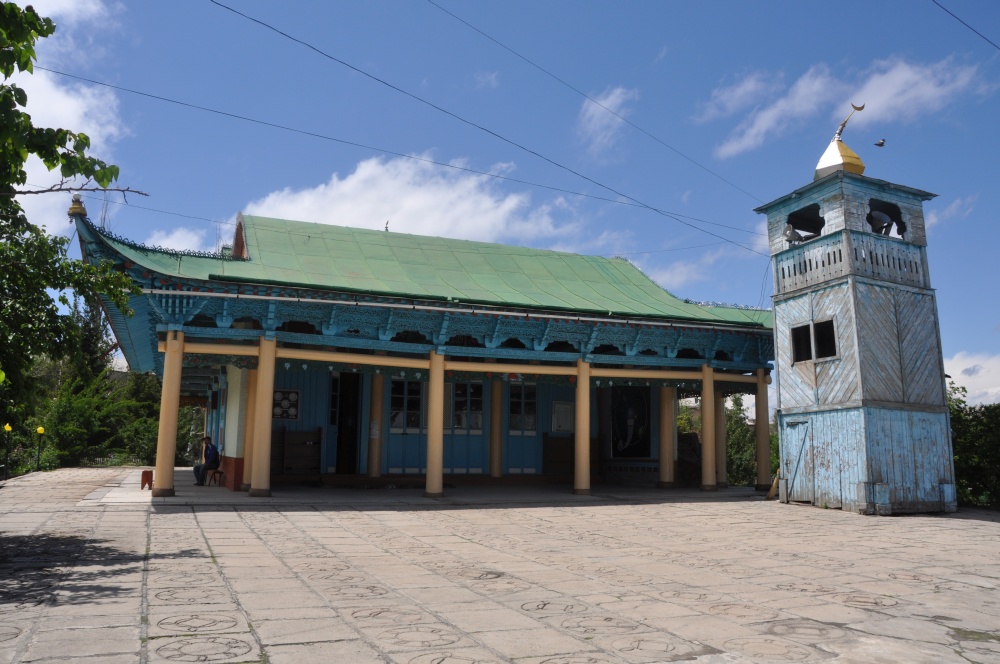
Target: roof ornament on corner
[[839, 157], [76, 208]]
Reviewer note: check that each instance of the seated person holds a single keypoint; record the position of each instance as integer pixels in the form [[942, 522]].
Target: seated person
[[210, 454]]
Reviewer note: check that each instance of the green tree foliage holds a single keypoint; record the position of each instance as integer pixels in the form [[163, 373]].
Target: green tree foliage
[[741, 446], [975, 437], [33, 263]]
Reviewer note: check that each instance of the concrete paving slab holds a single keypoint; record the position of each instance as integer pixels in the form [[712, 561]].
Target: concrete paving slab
[[489, 574]]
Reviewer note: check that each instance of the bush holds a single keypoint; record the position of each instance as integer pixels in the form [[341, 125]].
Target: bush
[[975, 438]]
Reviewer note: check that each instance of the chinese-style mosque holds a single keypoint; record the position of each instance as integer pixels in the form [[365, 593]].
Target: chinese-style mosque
[[342, 355]]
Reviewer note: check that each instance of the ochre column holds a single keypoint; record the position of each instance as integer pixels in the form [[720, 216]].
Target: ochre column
[[435, 428], [166, 434], [763, 431], [581, 455], [260, 477], [496, 428], [375, 433], [668, 435], [721, 478], [248, 429], [707, 429]]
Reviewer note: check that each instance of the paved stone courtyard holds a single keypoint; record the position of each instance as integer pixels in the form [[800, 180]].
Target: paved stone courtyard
[[94, 570]]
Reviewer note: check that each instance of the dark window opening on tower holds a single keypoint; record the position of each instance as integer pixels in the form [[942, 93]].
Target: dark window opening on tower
[[826, 339], [801, 344], [884, 217], [804, 225]]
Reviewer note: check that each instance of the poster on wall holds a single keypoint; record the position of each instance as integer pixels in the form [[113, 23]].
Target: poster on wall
[[285, 405], [630, 422]]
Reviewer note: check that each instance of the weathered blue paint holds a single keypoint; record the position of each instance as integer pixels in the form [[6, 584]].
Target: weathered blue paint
[[866, 427], [314, 394]]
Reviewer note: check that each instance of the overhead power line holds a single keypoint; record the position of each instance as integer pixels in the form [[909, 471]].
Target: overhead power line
[[475, 125], [594, 101], [325, 137], [952, 14]]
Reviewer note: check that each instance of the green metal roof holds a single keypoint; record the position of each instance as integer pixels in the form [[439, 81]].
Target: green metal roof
[[355, 260]]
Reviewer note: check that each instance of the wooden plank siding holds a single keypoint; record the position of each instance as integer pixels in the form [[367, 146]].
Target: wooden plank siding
[[837, 379], [797, 381], [878, 350], [920, 349]]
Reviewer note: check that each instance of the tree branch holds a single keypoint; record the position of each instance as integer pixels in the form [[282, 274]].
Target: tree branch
[[56, 188]]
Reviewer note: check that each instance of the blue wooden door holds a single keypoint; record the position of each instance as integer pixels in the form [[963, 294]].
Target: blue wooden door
[[406, 449], [797, 465], [464, 443]]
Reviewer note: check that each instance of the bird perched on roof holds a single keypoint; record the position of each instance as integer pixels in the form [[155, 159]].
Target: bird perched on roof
[[880, 143]]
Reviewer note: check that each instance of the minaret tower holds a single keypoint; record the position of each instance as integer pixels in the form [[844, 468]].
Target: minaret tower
[[862, 404]]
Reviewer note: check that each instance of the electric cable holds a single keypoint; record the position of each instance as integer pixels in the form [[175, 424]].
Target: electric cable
[[304, 132], [952, 14], [594, 101], [474, 125]]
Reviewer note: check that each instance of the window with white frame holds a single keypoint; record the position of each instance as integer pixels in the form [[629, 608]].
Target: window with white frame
[[521, 410]]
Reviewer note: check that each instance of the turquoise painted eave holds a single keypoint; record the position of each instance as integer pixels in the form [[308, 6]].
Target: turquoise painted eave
[[378, 263]]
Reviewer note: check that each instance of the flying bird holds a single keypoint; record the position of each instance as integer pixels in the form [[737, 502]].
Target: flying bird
[[880, 143]]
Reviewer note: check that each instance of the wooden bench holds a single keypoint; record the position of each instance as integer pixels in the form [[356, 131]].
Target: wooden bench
[[218, 476]]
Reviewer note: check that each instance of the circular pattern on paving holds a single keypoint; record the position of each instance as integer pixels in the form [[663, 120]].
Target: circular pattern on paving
[[445, 658], [9, 633], [743, 612], [808, 631], [184, 579], [599, 625], [190, 595], [338, 577], [420, 636], [20, 606], [806, 587], [769, 649], [387, 615], [206, 649], [553, 607], [654, 645], [474, 574], [689, 596], [577, 659], [358, 591], [331, 566], [864, 601], [503, 586], [594, 568], [907, 576], [198, 622]]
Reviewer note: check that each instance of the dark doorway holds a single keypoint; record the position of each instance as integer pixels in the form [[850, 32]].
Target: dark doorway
[[348, 407]]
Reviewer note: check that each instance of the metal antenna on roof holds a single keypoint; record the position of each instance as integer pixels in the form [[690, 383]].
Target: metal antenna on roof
[[386, 225]]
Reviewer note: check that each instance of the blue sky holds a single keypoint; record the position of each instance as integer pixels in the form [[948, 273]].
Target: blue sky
[[745, 96]]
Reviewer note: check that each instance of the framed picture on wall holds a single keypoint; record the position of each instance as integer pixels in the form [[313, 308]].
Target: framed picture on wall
[[630, 422], [285, 405], [563, 416]]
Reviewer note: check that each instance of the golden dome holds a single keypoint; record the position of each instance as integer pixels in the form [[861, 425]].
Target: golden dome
[[839, 157]]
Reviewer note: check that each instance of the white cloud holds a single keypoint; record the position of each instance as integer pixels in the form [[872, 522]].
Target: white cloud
[[979, 373], [748, 91], [960, 208], [812, 92], [681, 273], [893, 90], [487, 79], [70, 10], [420, 198], [53, 102], [661, 55], [596, 127], [182, 238], [89, 110], [896, 90]]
